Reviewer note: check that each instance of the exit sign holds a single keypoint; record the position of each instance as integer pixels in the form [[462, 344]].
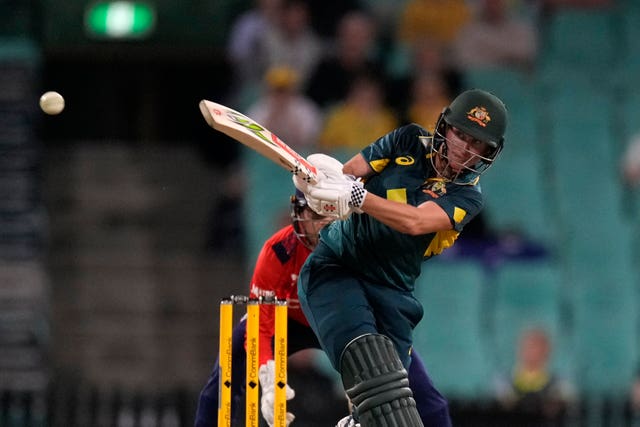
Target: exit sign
[[120, 19]]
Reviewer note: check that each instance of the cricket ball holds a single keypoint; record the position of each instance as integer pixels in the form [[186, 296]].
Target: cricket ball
[[52, 103]]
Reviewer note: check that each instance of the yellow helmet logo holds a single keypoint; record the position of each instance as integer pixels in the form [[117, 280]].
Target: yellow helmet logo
[[480, 115]]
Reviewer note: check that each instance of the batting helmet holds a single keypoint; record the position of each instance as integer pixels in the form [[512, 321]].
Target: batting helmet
[[479, 114]]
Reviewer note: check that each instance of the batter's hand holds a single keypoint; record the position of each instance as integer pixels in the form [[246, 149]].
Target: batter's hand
[[334, 195], [326, 166]]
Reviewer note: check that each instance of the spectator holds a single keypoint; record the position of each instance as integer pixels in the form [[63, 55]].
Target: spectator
[[496, 38], [386, 13], [245, 48], [353, 54], [428, 98], [532, 389], [362, 117], [292, 41], [283, 110], [426, 57], [325, 18], [437, 20], [630, 167]]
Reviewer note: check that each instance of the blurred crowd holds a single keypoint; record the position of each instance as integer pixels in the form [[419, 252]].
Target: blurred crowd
[[334, 79], [368, 66]]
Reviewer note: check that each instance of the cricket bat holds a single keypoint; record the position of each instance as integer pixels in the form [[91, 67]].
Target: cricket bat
[[258, 138]]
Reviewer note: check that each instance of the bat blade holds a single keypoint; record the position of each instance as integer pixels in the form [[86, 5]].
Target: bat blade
[[255, 136]]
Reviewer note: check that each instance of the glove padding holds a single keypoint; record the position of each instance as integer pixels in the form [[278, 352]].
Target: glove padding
[[326, 166], [267, 376], [334, 195], [348, 421], [340, 196]]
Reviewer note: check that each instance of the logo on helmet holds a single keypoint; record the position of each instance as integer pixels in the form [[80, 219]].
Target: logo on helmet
[[480, 115]]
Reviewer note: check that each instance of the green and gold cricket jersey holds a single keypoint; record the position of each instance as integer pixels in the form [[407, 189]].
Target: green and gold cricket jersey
[[403, 173]]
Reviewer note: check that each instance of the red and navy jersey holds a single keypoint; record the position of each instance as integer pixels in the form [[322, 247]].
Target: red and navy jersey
[[276, 275]]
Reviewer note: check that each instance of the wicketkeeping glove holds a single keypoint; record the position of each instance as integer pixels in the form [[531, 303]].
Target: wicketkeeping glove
[[348, 421], [267, 375]]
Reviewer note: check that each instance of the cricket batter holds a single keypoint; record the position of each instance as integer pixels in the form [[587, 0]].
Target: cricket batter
[[356, 288], [275, 275]]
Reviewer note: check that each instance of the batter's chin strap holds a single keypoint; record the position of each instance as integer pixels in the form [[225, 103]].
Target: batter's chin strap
[[377, 383]]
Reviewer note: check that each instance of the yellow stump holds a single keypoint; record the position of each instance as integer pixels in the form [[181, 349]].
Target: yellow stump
[[280, 355], [224, 386], [253, 383]]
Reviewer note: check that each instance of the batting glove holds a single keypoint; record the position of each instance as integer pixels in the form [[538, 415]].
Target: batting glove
[[326, 166], [267, 375], [334, 195], [344, 191]]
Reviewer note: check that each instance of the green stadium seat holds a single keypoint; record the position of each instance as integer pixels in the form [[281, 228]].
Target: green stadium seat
[[450, 337], [581, 37], [515, 196], [606, 338], [527, 294]]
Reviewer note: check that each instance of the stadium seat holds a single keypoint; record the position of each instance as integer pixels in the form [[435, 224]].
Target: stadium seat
[[566, 41], [527, 294], [515, 196], [606, 339], [450, 337]]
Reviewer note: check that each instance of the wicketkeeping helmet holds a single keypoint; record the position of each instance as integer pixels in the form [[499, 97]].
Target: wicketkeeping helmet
[[306, 223]]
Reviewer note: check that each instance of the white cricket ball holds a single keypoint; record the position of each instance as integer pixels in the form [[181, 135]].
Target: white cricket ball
[[52, 103]]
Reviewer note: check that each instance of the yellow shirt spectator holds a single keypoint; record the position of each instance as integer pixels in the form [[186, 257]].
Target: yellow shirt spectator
[[438, 20], [428, 99], [359, 120]]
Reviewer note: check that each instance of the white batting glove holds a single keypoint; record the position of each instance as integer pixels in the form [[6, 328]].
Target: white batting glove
[[332, 170], [328, 197], [334, 195], [328, 165], [344, 192], [267, 375]]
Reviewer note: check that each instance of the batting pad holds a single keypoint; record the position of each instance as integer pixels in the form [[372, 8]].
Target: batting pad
[[377, 384]]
